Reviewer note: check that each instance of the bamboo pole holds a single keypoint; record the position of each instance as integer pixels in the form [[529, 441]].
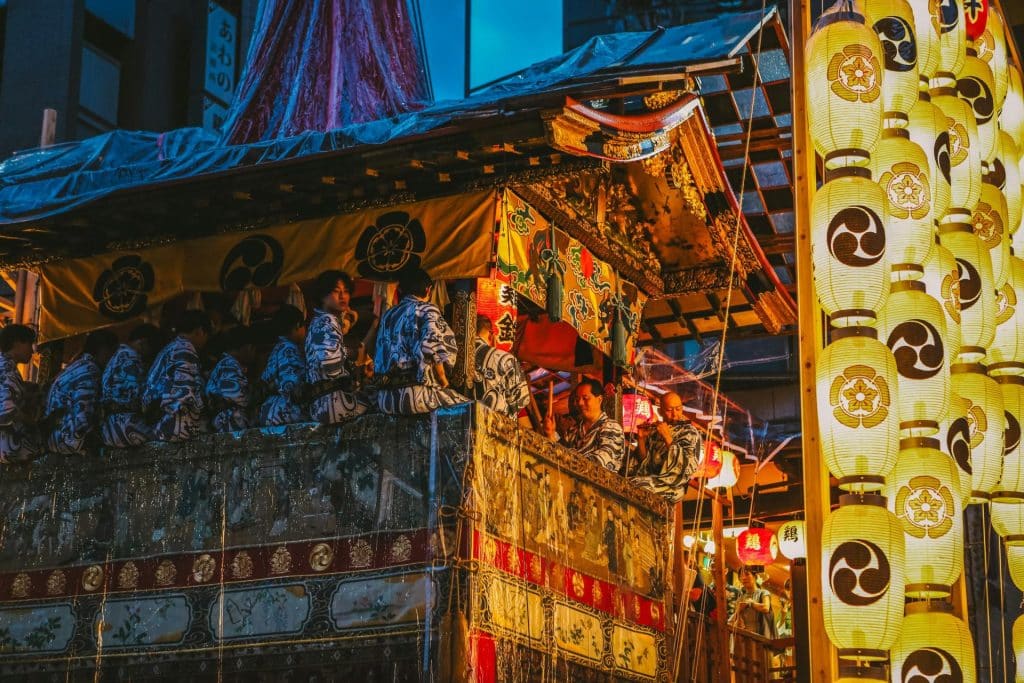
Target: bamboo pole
[[811, 340], [722, 622]]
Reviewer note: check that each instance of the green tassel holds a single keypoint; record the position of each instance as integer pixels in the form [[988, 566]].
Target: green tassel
[[619, 342], [554, 293]]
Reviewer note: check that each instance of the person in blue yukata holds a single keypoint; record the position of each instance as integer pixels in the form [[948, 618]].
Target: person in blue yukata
[[173, 397], [19, 439], [592, 432], [500, 381], [227, 391], [285, 374], [670, 452], [328, 372], [415, 352], [123, 379], [72, 405]]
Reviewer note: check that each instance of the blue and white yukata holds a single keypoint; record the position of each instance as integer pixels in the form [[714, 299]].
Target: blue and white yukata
[[668, 468], [326, 362], [412, 338], [285, 375], [500, 381], [603, 442], [227, 392], [18, 441], [123, 426], [174, 387], [72, 406]]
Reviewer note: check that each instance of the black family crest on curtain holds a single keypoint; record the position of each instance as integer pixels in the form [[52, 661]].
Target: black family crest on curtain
[[393, 243], [121, 291], [255, 261]]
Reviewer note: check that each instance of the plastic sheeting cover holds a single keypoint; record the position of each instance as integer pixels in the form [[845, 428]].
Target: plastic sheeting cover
[[45, 182]]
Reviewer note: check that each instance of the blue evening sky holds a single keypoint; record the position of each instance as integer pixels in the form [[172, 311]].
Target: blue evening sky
[[506, 36]]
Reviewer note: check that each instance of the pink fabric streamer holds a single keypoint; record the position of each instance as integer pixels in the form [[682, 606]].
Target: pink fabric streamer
[[317, 65]]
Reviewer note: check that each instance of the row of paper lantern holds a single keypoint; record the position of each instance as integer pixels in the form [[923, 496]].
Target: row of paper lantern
[[918, 118]]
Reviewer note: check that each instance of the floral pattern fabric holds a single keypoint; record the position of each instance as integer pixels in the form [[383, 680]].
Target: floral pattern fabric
[[285, 375], [71, 406], [121, 390], [174, 391], [227, 391], [18, 441]]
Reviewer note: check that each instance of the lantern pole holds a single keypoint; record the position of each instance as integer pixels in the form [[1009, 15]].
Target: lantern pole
[[820, 653], [722, 622]]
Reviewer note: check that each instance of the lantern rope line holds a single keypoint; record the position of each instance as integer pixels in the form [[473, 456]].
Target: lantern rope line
[[986, 522], [1001, 557]]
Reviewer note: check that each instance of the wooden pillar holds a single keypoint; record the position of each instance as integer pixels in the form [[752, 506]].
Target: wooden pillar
[[821, 656], [722, 622], [464, 325]]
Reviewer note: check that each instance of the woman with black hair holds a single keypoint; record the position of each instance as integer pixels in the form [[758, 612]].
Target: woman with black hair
[[285, 374], [19, 441], [333, 398]]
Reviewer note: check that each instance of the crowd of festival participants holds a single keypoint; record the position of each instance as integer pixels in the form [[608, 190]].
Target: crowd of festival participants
[[122, 394]]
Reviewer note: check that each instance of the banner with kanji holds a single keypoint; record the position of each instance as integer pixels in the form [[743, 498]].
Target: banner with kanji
[[530, 249]]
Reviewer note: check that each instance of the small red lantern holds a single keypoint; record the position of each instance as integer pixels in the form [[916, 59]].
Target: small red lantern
[[757, 547], [636, 411], [496, 299], [712, 459], [975, 17]]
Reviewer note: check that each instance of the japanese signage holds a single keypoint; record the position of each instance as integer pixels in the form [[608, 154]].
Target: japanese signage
[[221, 64]]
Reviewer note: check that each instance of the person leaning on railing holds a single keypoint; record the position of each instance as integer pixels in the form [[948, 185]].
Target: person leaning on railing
[[121, 389], [72, 414], [173, 397], [331, 390], [500, 381], [670, 452], [285, 373], [416, 350], [19, 400], [592, 432]]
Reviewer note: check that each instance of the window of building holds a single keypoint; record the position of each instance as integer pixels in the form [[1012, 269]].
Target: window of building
[[118, 14], [99, 91]]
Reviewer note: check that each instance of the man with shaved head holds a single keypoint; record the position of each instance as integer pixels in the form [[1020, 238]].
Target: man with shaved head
[[670, 452]]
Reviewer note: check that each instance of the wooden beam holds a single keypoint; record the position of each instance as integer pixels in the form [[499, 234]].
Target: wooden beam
[[677, 311], [811, 340], [777, 244]]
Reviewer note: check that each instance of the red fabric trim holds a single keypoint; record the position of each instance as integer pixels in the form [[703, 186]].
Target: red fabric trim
[[610, 598]]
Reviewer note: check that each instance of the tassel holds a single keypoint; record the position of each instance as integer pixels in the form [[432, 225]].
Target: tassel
[[619, 342], [554, 296], [248, 300], [295, 298], [195, 302]]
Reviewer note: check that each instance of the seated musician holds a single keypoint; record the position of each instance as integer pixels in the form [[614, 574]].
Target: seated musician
[[331, 389], [670, 452], [173, 396], [227, 390], [122, 384], [72, 405], [500, 381], [592, 432], [415, 352], [285, 374], [19, 440]]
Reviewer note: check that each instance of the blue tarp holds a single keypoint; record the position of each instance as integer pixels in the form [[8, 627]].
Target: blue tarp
[[40, 183]]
